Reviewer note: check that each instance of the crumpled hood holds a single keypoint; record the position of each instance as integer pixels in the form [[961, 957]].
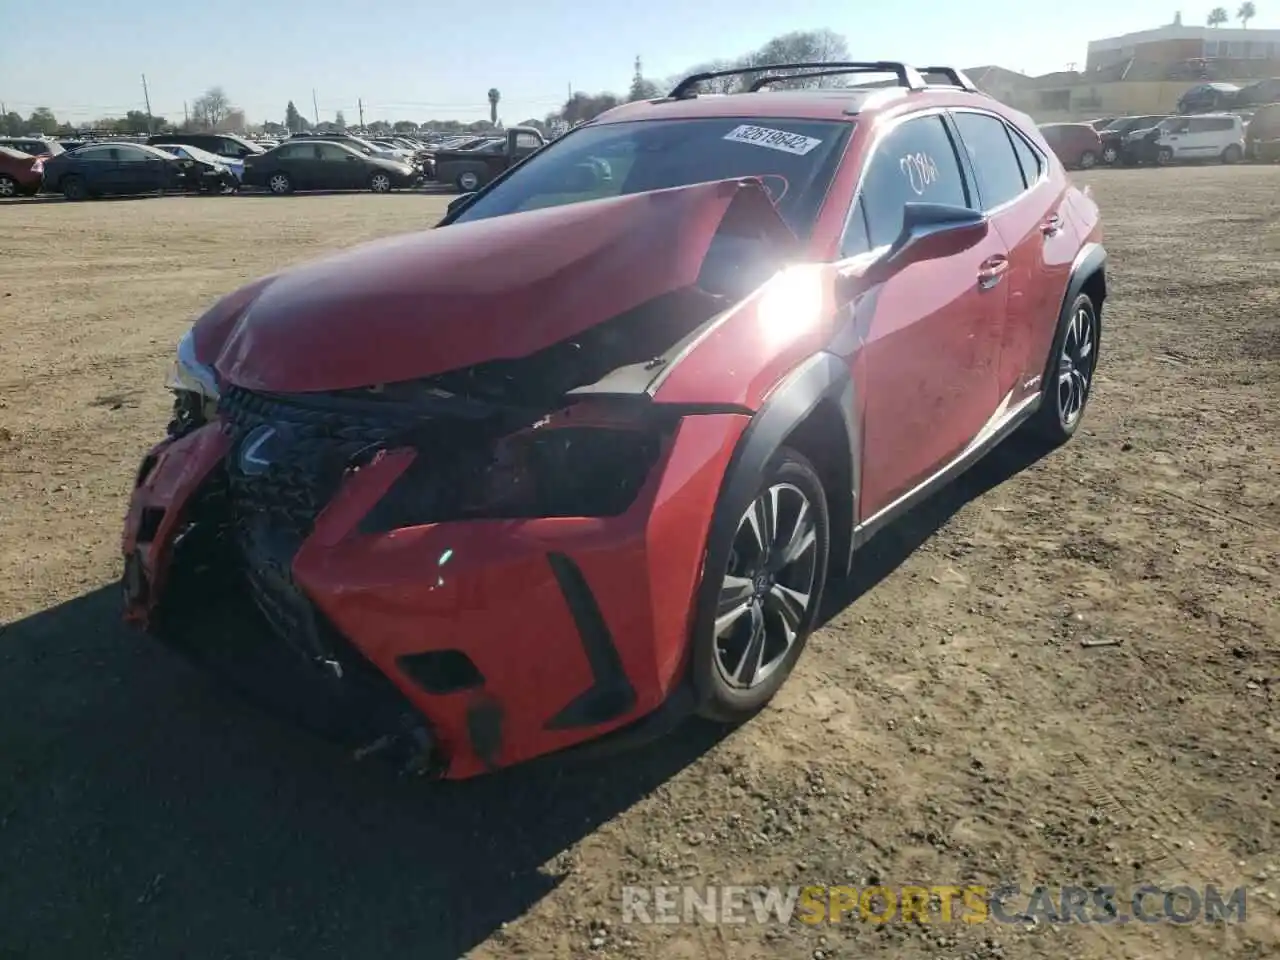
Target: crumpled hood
[[443, 299]]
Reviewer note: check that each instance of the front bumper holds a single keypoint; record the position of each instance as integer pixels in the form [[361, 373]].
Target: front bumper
[[502, 639]]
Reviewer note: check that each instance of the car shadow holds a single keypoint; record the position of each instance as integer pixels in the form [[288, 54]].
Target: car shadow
[[145, 813], [895, 542]]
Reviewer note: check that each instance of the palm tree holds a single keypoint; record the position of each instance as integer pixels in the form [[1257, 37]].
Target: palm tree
[[1217, 16], [494, 97], [1246, 13]]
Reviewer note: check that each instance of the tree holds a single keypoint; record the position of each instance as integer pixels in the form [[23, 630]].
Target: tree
[[641, 89], [1246, 13], [233, 122], [12, 124], [494, 97], [340, 121], [379, 127], [210, 109], [404, 126], [582, 106], [42, 121], [274, 129], [1217, 16], [293, 119]]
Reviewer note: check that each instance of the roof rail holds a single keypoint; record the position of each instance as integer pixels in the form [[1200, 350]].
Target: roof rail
[[907, 76], [763, 82], [955, 77]]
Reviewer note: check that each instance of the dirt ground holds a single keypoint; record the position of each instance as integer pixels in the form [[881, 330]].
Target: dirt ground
[[948, 725]]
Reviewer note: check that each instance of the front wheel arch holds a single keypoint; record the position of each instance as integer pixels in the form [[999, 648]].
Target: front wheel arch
[[813, 408]]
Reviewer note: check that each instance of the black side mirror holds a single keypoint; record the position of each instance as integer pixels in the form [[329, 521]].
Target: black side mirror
[[930, 231], [460, 201]]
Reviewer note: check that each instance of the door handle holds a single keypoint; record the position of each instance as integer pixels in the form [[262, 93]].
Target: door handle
[[992, 270], [1052, 226]]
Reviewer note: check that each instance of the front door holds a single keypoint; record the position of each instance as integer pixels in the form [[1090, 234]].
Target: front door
[[923, 342]]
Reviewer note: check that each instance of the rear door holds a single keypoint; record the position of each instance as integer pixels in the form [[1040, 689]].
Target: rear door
[[99, 168], [923, 341], [1027, 208]]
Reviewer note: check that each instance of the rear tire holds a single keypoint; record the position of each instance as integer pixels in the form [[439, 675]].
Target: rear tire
[[1068, 375], [1164, 157], [1088, 160], [1233, 154], [73, 188], [467, 181], [1110, 155], [763, 599], [280, 184]]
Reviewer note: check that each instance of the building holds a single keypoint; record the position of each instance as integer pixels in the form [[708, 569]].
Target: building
[[1177, 47], [1146, 72]]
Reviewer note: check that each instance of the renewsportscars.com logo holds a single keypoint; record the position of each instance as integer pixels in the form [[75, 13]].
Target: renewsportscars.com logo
[[939, 903]]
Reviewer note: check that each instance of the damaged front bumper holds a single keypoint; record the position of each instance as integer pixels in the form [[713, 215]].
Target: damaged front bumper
[[458, 645]]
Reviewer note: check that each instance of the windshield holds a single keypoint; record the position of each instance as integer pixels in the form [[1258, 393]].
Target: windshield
[[795, 159]]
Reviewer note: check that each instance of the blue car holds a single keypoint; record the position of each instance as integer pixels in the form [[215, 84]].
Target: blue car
[[100, 169]]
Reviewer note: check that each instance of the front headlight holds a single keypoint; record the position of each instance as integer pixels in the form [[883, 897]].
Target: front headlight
[[195, 385], [566, 471]]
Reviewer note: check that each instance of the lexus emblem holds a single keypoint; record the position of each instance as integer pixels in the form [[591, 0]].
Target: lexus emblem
[[254, 455]]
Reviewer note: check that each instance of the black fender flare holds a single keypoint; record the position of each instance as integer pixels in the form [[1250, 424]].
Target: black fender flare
[[1091, 259], [824, 377]]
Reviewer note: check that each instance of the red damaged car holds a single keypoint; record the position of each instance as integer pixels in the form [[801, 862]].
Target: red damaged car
[[579, 460]]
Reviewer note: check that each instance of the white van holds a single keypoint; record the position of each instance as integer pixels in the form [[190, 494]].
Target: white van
[[1207, 136]]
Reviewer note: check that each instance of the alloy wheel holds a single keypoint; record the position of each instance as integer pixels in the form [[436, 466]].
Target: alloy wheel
[[8, 187], [1110, 154], [380, 183], [1075, 366], [768, 586], [279, 183], [468, 181]]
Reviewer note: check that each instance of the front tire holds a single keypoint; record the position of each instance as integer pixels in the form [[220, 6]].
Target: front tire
[[380, 183], [1088, 160], [1069, 374], [1233, 154], [467, 181], [766, 593], [8, 186], [1110, 156], [1165, 156]]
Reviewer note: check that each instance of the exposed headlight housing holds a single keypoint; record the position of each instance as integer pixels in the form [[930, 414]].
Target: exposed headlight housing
[[551, 471], [195, 388]]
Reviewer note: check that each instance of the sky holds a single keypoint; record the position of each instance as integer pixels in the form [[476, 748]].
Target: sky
[[417, 61]]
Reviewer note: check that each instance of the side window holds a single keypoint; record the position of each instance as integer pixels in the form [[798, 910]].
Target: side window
[[94, 153], [994, 163], [1028, 159], [527, 141], [915, 163], [330, 153], [129, 155]]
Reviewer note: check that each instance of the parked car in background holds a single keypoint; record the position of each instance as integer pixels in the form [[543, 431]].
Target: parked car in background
[[1186, 139], [1113, 135], [582, 459], [1102, 122], [20, 173], [1262, 134], [226, 145], [207, 173], [308, 164], [1208, 97], [34, 146], [470, 170], [100, 169], [1077, 145]]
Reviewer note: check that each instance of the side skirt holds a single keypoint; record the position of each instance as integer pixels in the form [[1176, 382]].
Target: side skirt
[[1000, 426]]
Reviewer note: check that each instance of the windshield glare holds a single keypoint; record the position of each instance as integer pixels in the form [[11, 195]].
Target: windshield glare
[[794, 158]]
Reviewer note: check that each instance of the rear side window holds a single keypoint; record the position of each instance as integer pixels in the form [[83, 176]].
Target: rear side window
[[916, 163], [1028, 159], [994, 162]]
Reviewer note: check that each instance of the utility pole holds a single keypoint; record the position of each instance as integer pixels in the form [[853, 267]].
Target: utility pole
[[315, 111], [186, 119], [360, 102], [570, 89], [146, 96]]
